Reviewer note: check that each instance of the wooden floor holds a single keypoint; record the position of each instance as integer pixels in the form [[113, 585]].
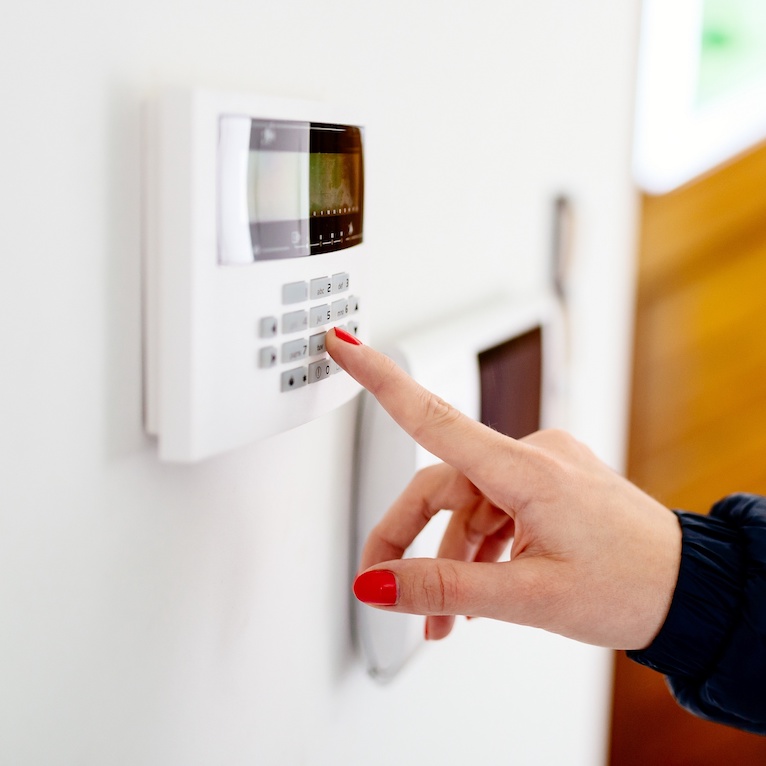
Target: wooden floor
[[698, 425]]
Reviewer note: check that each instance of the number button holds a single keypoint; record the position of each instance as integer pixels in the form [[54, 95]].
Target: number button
[[339, 310], [320, 288], [320, 370], [340, 282], [316, 344], [320, 315], [295, 321], [295, 350]]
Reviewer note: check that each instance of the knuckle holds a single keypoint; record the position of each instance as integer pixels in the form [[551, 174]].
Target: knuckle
[[550, 437], [440, 588], [559, 434], [436, 413], [559, 441], [555, 452], [426, 475]]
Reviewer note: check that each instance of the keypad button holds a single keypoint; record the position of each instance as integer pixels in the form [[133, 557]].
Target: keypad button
[[340, 282], [320, 288], [295, 292], [353, 328], [295, 350], [267, 327], [320, 370], [295, 321], [320, 315], [353, 304], [316, 344], [267, 357], [295, 378], [339, 310]]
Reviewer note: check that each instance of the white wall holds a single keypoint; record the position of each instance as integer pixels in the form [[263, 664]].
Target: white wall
[[152, 614]]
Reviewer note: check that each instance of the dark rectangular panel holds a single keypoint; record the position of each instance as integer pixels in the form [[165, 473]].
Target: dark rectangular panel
[[511, 383]]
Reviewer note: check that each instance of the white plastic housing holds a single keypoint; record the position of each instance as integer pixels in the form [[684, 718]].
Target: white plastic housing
[[204, 390]]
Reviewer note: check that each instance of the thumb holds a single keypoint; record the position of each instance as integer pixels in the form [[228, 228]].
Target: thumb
[[446, 587]]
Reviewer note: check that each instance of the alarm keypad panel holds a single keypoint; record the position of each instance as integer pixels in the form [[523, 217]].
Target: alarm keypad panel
[[254, 249], [322, 315]]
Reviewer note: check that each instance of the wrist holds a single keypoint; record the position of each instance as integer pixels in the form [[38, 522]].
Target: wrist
[[704, 599]]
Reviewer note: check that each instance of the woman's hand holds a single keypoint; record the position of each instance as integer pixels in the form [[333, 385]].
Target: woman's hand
[[592, 557]]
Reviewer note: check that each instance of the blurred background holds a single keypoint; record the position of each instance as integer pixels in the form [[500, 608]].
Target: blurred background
[[698, 414]]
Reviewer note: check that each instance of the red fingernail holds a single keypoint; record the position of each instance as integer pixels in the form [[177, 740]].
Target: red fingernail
[[347, 336], [377, 587]]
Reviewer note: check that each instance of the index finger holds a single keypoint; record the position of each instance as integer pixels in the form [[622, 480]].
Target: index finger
[[429, 420]]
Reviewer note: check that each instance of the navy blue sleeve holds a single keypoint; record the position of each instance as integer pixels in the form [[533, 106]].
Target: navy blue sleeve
[[712, 647]]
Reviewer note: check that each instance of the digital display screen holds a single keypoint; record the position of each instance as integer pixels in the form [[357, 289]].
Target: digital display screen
[[305, 188], [334, 183]]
